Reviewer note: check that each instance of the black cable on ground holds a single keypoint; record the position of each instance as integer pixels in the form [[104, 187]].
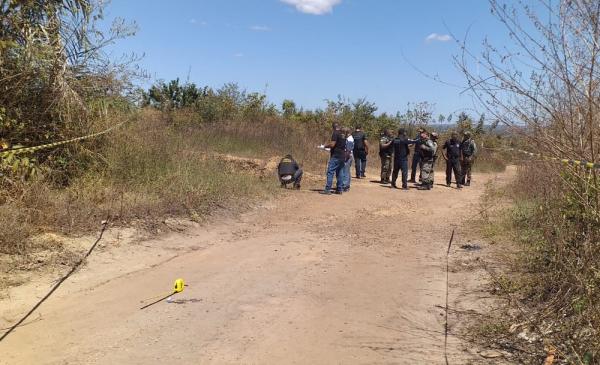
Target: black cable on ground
[[73, 269], [157, 301], [447, 291]]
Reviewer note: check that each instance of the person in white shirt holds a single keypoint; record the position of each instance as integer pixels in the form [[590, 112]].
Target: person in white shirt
[[349, 157]]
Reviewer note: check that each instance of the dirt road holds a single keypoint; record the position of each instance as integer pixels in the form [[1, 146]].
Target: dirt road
[[310, 279]]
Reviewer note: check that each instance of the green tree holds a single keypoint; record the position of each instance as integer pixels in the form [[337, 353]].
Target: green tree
[[289, 108]]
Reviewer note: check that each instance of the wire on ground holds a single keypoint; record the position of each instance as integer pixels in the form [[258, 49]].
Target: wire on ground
[[447, 294], [75, 267]]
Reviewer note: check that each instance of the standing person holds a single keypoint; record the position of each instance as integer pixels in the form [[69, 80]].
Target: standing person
[[469, 150], [361, 150], [452, 155], [348, 158], [289, 172], [428, 151], [416, 161], [337, 146], [401, 152], [385, 153]]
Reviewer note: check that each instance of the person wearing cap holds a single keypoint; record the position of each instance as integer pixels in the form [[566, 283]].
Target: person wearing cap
[[469, 150], [416, 160], [452, 154], [289, 172], [428, 153]]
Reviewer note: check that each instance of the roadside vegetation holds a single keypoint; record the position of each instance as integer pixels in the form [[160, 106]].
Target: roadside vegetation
[[546, 87]]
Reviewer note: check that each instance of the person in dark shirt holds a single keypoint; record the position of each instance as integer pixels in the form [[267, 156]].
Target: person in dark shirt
[[337, 160], [289, 172], [416, 160], [401, 152], [361, 150], [452, 154]]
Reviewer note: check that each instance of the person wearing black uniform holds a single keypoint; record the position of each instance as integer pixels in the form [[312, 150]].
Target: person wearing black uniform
[[337, 160], [416, 161], [452, 155], [361, 150], [289, 172], [401, 152]]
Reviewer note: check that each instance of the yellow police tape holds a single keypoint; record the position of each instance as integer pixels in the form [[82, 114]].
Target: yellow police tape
[[586, 164], [21, 150]]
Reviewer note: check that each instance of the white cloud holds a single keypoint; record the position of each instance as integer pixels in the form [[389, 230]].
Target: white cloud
[[260, 28], [315, 7], [438, 37], [195, 21], [238, 55]]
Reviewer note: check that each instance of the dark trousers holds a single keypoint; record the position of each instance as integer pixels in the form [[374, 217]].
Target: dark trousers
[[360, 162], [453, 164], [401, 165], [416, 164]]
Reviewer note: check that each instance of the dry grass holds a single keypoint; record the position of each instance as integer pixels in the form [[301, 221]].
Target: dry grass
[[149, 170], [550, 279]]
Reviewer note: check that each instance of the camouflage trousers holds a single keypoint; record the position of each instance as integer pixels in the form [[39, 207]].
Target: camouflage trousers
[[386, 168], [427, 172], [465, 165]]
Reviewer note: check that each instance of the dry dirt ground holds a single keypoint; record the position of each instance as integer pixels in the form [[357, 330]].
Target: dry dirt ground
[[306, 279]]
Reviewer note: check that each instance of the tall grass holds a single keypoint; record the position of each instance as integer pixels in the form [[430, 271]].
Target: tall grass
[[160, 164]]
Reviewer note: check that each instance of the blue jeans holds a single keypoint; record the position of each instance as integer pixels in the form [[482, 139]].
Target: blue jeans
[[335, 167], [360, 158], [347, 179]]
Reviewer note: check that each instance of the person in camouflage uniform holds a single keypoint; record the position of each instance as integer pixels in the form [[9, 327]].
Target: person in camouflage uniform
[[468, 150], [428, 152], [385, 153]]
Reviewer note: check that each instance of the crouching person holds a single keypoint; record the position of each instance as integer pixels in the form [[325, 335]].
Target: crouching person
[[289, 172]]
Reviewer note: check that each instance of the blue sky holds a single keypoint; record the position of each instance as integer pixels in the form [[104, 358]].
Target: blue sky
[[311, 50]]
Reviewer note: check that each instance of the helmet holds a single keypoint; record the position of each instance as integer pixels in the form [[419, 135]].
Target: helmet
[[434, 135], [467, 134]]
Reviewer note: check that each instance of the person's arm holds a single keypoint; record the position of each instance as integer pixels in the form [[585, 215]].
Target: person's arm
[[444, 152], [386, 145], [331, 144], [366, 146], [474, 148]]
